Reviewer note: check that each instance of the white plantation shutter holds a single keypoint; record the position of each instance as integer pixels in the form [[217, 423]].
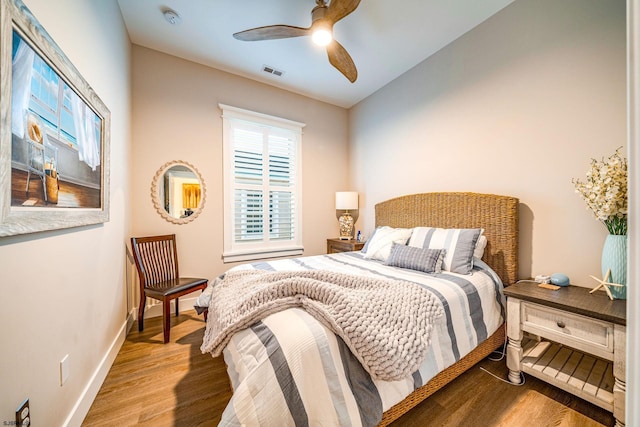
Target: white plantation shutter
[[282, 184], [262, 188], [247, 175]]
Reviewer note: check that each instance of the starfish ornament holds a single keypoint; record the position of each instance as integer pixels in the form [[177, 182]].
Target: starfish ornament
[[603, 283]]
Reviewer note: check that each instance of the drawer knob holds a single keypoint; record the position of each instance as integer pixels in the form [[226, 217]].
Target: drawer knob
[[561, 324]]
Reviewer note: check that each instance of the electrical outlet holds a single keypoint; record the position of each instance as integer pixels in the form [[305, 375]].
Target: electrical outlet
[[64, 369], [23, 414]]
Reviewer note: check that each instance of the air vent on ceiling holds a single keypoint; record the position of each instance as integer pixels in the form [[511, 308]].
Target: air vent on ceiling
[[271, 70]]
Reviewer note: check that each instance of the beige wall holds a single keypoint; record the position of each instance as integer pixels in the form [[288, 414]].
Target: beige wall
[[517, 106], [63, 292], [523, 102], [176, 117]]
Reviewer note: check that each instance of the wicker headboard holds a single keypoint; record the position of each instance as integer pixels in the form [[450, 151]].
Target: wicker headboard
[[498, 215]]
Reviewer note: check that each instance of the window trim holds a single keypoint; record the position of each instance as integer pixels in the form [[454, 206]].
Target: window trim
[[233, 252]]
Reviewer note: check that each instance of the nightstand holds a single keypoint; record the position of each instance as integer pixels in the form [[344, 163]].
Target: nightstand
[[337, 245], [571, 339]]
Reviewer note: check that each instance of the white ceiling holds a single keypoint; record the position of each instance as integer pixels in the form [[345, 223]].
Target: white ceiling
[[384, 38]]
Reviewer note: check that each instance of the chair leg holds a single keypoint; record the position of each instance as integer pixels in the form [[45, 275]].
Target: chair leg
[[166, 319], [143, 301], [177, 307]]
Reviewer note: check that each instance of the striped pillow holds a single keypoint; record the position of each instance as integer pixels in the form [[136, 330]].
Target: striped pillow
[[427, 260], [458, 243]]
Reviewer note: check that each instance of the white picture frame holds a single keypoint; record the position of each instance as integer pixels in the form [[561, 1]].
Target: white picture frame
[[60, 147]]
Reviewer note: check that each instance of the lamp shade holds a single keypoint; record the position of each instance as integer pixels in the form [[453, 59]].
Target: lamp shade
[[346, 200]]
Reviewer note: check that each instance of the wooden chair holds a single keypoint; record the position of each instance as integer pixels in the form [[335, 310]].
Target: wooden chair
[[156, 260]]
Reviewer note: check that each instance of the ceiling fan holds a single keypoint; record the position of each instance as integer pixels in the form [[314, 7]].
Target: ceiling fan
[[323, 18]]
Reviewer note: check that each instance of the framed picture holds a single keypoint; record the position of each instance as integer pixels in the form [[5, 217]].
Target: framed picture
[[54, 133]]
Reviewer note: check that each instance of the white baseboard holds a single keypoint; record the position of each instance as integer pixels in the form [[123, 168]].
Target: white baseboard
[[88, 395]]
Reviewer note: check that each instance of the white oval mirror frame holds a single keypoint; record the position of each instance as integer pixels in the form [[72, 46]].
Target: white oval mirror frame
[[178, 211]]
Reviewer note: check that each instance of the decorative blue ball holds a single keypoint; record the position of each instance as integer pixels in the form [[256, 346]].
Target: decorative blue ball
[[560, 279]]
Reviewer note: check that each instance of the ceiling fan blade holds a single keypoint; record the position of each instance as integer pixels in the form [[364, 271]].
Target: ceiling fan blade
[[338, 9], [271, 32], [341, 60]]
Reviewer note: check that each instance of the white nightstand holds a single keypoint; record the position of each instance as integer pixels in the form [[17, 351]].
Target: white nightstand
[[571, 339]]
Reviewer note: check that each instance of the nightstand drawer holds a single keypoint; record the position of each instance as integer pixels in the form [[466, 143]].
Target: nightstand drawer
[[580, 332], [337, 245]]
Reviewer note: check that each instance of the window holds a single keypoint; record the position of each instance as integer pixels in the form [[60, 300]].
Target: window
[[52, 99], [262, 191]]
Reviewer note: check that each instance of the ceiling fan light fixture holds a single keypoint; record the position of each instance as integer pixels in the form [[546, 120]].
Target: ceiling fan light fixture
[[322, 36]]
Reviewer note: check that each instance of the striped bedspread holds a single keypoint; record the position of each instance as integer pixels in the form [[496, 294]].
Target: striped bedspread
[[288, 369]]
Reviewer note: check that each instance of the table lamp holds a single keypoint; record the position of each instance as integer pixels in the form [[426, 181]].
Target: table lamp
[[346, 201]]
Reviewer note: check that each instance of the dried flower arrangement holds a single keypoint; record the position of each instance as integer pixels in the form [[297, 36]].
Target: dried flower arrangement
[[605, 192]]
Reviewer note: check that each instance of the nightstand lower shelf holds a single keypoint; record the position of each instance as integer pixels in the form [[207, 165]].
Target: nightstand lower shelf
[[583, 375]]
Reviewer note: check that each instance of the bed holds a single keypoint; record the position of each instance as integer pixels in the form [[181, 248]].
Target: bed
[[289, 368]]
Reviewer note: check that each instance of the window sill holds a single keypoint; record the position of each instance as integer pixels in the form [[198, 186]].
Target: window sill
[[243, 256]]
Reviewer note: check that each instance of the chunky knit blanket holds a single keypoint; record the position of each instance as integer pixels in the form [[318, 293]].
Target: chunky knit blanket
[[387, 324]]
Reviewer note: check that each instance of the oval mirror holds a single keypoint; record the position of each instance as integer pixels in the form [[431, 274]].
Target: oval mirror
[[178, 192]]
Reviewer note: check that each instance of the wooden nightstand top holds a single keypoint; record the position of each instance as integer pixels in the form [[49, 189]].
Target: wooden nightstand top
[[574, 299]]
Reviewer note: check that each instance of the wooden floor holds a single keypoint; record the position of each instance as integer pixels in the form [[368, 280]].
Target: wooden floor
[[69, 195], [174, 384]]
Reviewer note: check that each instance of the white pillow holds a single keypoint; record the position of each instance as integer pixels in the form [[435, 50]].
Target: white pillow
[[481, 244], [379, 244]]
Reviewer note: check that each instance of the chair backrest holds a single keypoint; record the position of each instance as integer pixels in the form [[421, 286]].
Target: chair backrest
[[156, 258]]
